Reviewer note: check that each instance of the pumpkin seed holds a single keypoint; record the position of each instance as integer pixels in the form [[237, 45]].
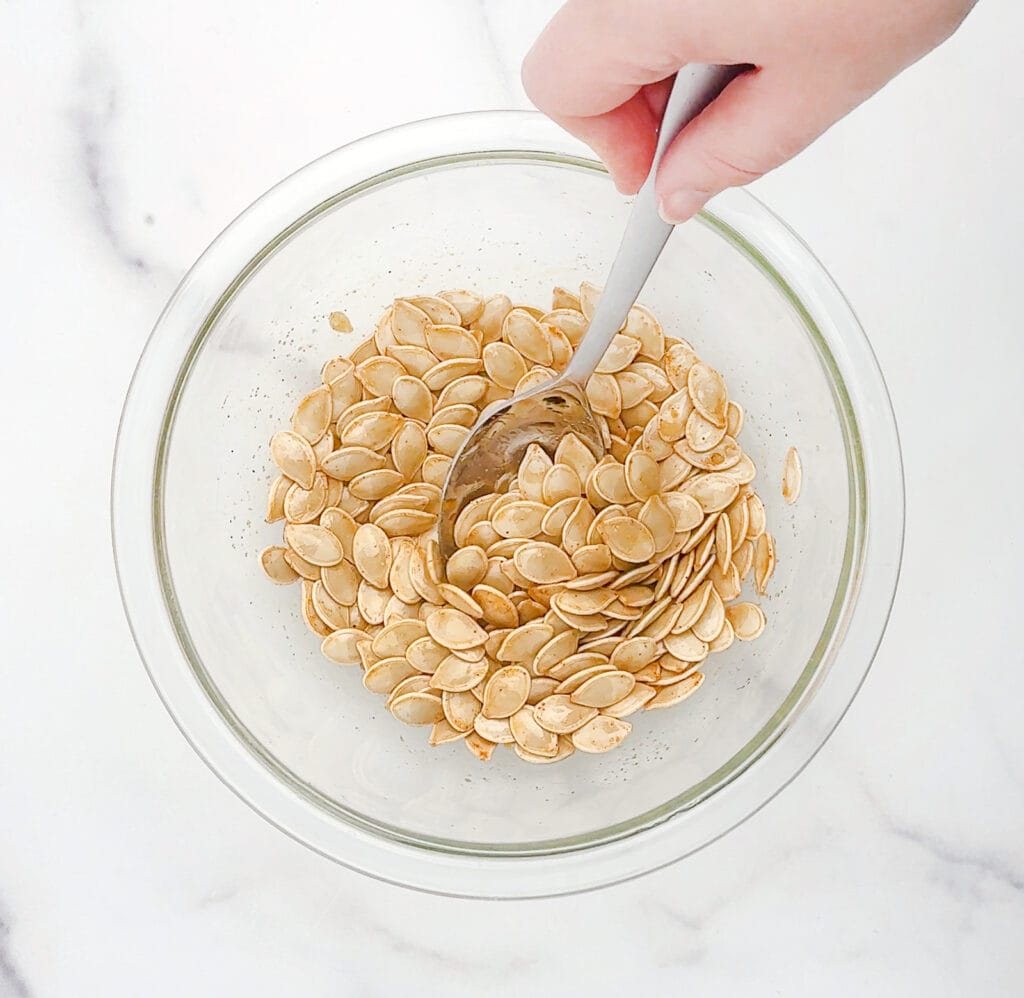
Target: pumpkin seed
[[294, 455], [620, 354], [348, 462], [504, 364], [333, 614], [764, 562], [725, 455], [739, 520], [455, 674], [523, 643], [523, 332], [452, 342], [565, 749], [792, 476], [416, 360], [541, 562], [275, 500], [479, 746], [505, 693], [372, 602], [713, 491], [385, 675], [437, 309], [707, 389], [633, 654], [727, 583], [313, 414], [708, 625], [448, 371], [374, 430], [409, 324], [559, 714], [643, 326], [460, 709], [345, 390], [635, 700], [305, 505], [276, 567], [743, 471], [532, 470], [601, 734], [634, 388], [417, 708], [340, 646], [668, 696], [423, 652], [498, 609], [301, 567], [756, 516], [492, 316], [604, 689], [442, 733], [529, 734], [336, 367], [572, 451], [466, 567], [368, 347], [469, 305], [360, 408], [673, 416], [412, 397], [560, 647], [723, 541], [313, 543], [519, 519], [604, 395], [493, 729], [701, 433], [339, 322], [454, 629], [371, 553], [563, 299], [375, 484], [378, 374], [693, 606], [628, 539], [560, 483]]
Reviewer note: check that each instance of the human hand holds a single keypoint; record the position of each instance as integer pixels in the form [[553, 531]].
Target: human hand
[[603, 68]]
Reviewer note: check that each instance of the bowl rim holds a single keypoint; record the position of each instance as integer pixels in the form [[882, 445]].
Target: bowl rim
[[818, 701]]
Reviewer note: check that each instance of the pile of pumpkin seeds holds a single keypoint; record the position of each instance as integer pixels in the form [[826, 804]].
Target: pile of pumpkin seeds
[[585, 591]]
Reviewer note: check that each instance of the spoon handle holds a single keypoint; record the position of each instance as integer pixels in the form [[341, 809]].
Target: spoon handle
[[695, 87]]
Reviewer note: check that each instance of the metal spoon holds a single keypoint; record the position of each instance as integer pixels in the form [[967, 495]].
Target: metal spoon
[[544, 415]]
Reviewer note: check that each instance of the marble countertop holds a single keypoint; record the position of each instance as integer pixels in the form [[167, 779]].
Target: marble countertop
[[893, 865]]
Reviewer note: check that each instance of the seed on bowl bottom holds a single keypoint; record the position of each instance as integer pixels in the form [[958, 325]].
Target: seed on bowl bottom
[[584, 590]]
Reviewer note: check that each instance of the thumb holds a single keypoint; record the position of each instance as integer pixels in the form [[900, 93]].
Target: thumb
[[759, 121]]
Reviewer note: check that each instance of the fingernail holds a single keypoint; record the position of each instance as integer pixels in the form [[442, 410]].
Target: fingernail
[[680, 205]]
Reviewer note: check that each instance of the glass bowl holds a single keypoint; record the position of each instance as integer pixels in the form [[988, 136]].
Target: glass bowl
[[500, 201]]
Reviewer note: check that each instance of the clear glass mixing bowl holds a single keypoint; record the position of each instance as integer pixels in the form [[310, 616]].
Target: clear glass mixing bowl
[[505, 202]]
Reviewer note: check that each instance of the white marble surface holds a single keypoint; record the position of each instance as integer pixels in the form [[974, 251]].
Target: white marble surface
[[894, 865]]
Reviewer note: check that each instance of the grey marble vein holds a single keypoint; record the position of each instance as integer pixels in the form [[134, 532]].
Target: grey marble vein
[[93, 113], [96, 110], [504, 73], [12, 984], [964, 860]]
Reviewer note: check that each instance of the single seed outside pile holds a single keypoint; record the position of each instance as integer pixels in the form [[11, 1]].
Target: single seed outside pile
[[792, 476]]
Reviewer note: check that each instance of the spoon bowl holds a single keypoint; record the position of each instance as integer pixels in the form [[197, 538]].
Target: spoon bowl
[[497, 442]]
